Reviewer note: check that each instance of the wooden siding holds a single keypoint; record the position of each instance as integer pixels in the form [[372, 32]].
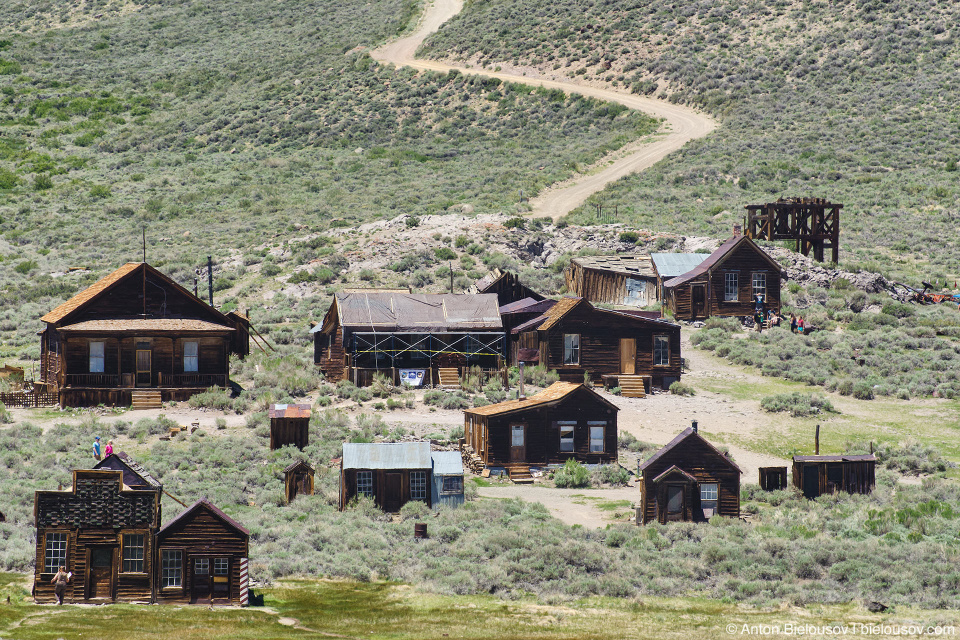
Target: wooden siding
[[858, 476], [605, 286], [285, 431], [348, 485]]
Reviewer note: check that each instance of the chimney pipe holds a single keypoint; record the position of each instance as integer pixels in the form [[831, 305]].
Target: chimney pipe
[[521, 395], [196, 287], [694, 426], [816, 442], [210, 277]]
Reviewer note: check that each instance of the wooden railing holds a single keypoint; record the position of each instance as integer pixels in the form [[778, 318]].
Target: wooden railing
[[193, 380], [107, 380]]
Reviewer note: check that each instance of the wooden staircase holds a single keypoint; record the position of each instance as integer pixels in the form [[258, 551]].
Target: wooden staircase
[[632, 387], [449, 378], [146, 399], [519, 474]]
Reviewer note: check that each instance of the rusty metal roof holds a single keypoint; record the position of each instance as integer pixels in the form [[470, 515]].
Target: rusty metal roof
[[863, 457], [204, 503], [145, 324], [554, 393], [91, 292], [686, 433], [289, 411], [638, 266]]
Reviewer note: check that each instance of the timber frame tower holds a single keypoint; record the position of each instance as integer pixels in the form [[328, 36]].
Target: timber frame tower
[[814, 223]]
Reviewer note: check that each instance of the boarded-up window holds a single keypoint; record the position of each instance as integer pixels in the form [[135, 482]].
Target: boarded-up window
[[760, 285], [365, 483], [566, 435], [191, 357], [418, 485], [661, 351], [133, 553], [731, 286], [96, 357], [55, 552], [171, 568], [571, 348], [597, 431]]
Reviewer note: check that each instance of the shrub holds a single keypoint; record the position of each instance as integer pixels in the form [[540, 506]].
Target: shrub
[[680, 389], [5, 417], [221, 424], [629, 442], [100, 191], [494, 391], [212, 398], [515, 223], [444, 253], [572, 474], [797, 403], [42, 182], [612, 474], [446, 399], [540, 376], [630, 237], [26, 266], [863, 390], [412, 221]]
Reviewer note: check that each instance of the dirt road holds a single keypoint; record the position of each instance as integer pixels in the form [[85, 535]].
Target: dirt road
[[681, 124]]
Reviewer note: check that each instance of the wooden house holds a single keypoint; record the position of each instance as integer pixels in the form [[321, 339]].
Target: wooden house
[[726, 283], [394, 473], [773, 478], [298, 480], [289, 425], [819, 475], [518, 313], [688, 480], [565, 420], [576, 338], [103, 531], [408, 337], [506, 286], [617, 279], [136, 335], [202, 558]]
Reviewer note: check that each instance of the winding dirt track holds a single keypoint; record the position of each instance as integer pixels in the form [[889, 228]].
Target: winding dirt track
[[682, 124]]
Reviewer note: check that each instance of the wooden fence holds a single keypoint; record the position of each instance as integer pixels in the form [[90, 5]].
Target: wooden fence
[[25, 400]]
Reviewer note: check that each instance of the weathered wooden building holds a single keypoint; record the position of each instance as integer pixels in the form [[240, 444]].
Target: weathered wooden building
[[298, 480], [506, 286], [670, 265], [819, 475], [103, 532], [566, 420], [773, 478], [576, 338], [289, 425], [617, 279], [688, 480], [447, 485], [726, 283], [408, 337], [202, 557], [137, 337], [518, 313], [394, 473]]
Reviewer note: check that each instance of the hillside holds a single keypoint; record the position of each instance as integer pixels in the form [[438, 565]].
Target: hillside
[[852, 101]]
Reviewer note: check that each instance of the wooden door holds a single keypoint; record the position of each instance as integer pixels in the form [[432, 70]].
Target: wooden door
[[101, 573], [811, 481], [518, 443], [392, 497], [144, 368], [698, 302], [675, 501], [221, 579], [200, 585], [628, 356]]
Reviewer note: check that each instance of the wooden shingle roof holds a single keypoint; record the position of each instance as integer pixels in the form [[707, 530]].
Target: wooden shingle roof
[[554, 393], [555, 313], [88, 294], [686, 433], [146, 324]]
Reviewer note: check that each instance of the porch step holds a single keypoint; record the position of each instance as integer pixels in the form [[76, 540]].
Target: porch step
[[147, 399], [449, 378], [520, 474], [632, 387]]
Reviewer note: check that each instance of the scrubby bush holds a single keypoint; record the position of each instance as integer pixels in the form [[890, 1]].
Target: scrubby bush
[[629, 442], [611, 474], [681, 389], [572, 474], [797, 403], [212, 398]]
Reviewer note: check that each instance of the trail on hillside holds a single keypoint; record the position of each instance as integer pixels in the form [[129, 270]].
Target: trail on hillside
[[682, 124]]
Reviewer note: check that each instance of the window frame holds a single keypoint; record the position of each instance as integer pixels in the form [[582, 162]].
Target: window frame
[[659, 339], [762, 275], [597, 424], [195, 358], [124, 545], [101, 357], [366, 476], [715, 500], [421, 485], [175, 570], [731, 278], [573, 360], [216, 568], [456, 489], [62, 561], [567, 424]]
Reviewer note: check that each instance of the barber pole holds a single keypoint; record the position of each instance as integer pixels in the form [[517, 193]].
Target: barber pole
[[244, 583]]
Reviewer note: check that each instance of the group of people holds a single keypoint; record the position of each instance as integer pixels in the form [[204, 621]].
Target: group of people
[[797, 324], [107, 451], [763, 316]]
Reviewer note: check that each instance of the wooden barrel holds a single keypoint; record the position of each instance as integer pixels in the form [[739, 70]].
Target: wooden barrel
[[420, 530]]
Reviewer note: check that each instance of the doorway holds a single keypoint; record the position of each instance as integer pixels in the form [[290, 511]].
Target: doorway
[[698, 293], [200, 587], [392, 497], [144, 365], [811, 481], [101, 573], [675, 502], [628, 356], [518, 443]]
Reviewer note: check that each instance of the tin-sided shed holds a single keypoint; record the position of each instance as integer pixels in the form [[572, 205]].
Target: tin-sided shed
[[289, 425], [447, 479], [617, 279], [819, 475]]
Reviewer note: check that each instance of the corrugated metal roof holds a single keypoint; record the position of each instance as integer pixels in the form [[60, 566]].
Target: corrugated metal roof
[[447, 463], [638, 266], [554, 393], [391, 312], [686, 433], [671, 265], [289, 411], [717, 257], [91, 292], [146, 324], [386, 455], [863, 457]]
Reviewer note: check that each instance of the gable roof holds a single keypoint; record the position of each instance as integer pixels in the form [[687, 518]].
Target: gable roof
[[638, 266], [104, 284], [126, 461], [298, 463], [555, 314], [717, 257], [205, 504], [674, 470], [552, 394], [686, 433], [386, 455], [416, 312], [447, 463], [671, 265]]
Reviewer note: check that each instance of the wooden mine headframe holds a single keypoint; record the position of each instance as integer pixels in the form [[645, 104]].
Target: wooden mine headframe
[[813, 222]]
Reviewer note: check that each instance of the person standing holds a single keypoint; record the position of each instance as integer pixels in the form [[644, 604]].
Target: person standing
[[793, 323], [59, 583], [108, 450], [96, 448], [801, 326]]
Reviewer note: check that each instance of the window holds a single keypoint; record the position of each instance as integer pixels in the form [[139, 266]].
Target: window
[[731, 286], [418, 485], [708, 496], [133, 553], [365, 483], [760, 285], [55, 552], [597, 429], [191, 357], [171, 568], [221, 566], [571, 348], [661, 351], [566, 435], [453, 484], [96, 357], [201, 566]]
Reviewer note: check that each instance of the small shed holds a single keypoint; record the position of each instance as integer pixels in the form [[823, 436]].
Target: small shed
[[289, 424], [298, 480], [447, 478], [819, 475], [617, 279], [203, 558], [688, 480], [773, 478], [393, 473]]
